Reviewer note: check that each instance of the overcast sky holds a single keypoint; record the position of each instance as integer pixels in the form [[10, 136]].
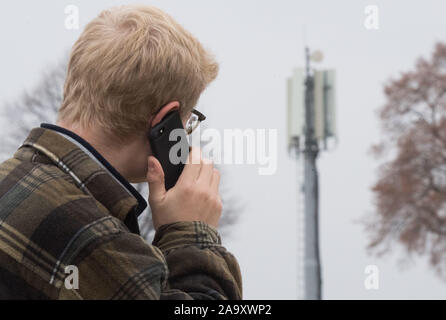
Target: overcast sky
[[258, 43]]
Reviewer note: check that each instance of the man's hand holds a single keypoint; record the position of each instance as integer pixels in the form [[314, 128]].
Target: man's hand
[[195, 197]]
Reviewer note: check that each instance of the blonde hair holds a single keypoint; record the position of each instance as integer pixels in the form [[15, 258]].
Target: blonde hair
[[127, 64]]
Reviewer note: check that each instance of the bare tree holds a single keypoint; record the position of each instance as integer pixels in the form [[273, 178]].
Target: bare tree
[[41, 105], [410, 192]]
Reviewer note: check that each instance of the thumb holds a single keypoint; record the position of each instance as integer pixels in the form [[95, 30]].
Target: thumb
[[155, 178]]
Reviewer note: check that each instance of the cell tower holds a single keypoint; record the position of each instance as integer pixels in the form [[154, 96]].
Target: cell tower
[[311, 128]]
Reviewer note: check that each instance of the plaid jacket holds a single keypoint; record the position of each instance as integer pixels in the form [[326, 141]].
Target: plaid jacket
[[62, 207]]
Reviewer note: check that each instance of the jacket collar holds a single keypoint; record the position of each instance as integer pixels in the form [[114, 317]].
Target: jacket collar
[[91, 172]]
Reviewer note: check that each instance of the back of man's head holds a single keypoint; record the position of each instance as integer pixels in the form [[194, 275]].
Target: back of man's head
[[129, 62]]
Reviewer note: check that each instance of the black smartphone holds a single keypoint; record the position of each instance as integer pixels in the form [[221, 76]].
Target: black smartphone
[[170, 150]]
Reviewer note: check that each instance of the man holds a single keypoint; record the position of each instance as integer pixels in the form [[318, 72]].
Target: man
[[67, 210]]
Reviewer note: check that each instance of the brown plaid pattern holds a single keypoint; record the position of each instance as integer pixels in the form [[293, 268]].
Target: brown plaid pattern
[[59, 207]]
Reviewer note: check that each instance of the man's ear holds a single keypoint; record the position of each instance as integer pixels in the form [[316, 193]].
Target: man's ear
[[165, 110]]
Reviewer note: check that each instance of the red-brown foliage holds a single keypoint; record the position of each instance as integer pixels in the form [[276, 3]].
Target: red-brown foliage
[[410, 192]]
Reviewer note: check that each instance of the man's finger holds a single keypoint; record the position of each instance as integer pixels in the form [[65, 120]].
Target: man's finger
[[192, 167], [206, 172], [215, 180], [155, 178]]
